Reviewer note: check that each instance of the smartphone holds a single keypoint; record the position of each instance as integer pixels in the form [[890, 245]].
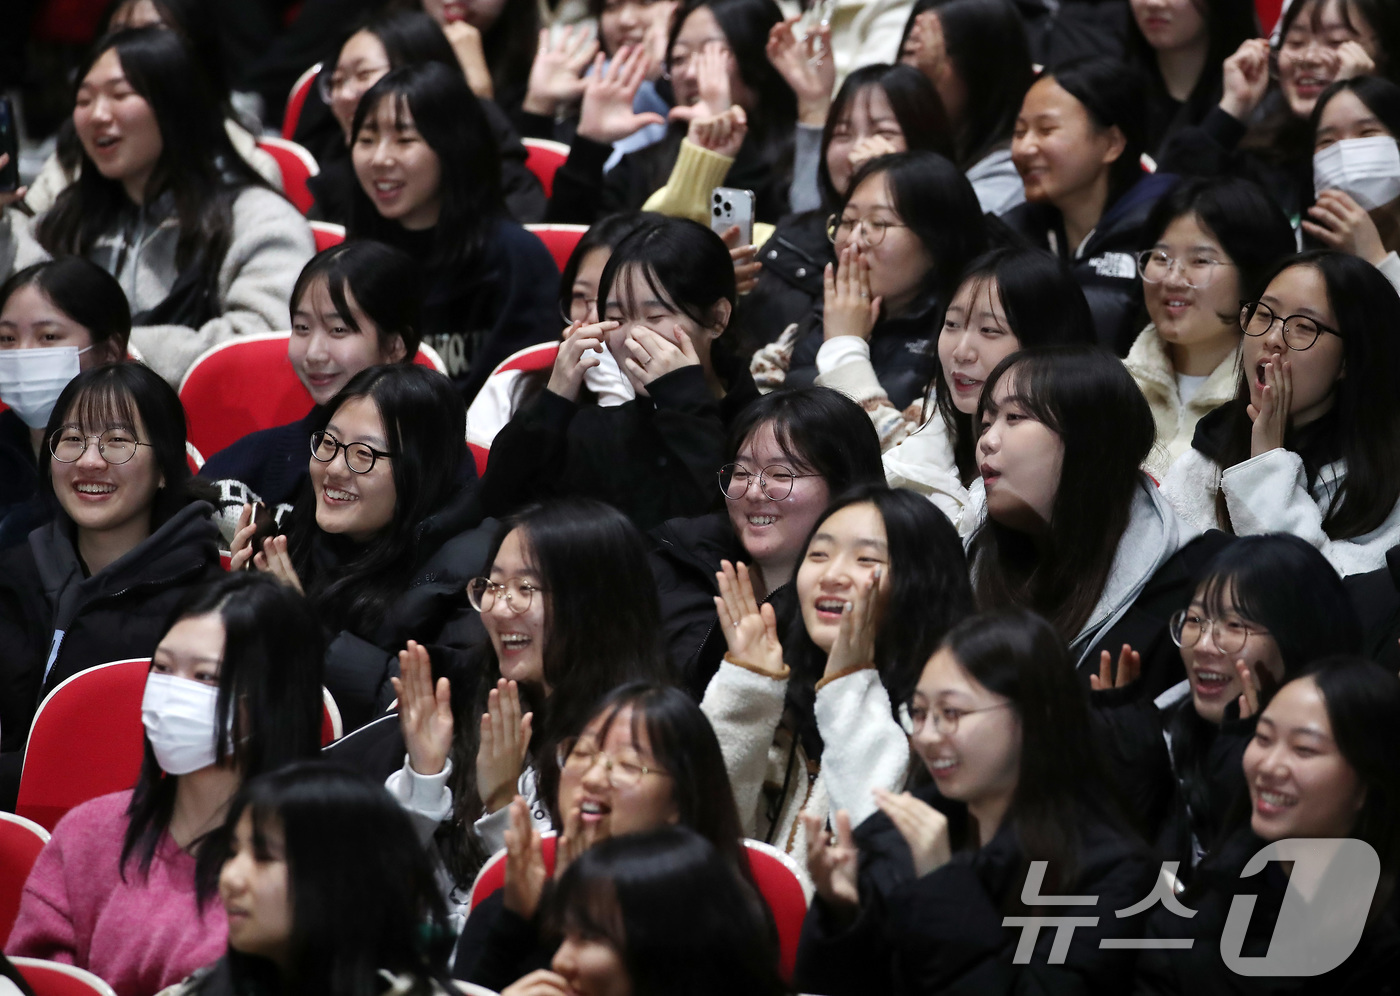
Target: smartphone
[[732, 206], [9, 144]]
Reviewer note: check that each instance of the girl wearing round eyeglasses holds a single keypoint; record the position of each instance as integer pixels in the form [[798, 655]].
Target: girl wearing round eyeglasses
[[1210, 243], [1307, 446], [375, 539], [127, 539], [1002, 725], [788, 453], [569, 610], [644, 758], [1268, 606]]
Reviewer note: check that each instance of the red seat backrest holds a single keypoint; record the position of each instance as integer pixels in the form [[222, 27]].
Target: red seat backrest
[[543, 158], [560, 240], [493, 874], [296, 100], [247, 384], [297, 167], [535, 357], [49, 978], [62, 770], [327, 234], [21, 841]]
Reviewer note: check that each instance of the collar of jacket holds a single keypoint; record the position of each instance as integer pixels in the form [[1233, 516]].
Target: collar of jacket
[[1318, 443], [187, 541], [1150, 363], [699, 541]]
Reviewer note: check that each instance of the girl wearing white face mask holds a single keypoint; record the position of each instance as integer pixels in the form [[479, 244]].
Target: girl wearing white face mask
[[1002, 725], [56, 319], [234, 690], [1356, 171]]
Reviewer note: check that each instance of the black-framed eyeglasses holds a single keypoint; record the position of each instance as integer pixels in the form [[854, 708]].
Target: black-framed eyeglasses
[[1229, 635], [483, 592], [840, 229], [577, 755], [117, 446], [774, 481], [1299, 331], [359, 457], [945, 720]]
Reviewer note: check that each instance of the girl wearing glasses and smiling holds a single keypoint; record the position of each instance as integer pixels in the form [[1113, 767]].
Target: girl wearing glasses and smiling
[[1267, 607], [1210, 243], [127, 539], [377, 538], [913, 901], [1307, 446]]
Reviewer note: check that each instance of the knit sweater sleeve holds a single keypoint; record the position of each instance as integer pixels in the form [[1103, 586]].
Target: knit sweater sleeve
[[687, 192], [843, 364], [270, 244], [45, 927], [745, 708], [865, 748]]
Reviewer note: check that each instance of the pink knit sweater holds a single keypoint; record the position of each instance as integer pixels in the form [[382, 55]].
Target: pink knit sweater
[[142, 934]]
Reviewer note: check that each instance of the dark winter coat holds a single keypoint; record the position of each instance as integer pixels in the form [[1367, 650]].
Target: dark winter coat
[[789, 286]]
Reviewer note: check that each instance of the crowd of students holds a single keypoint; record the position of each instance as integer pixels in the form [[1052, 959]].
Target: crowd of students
[[1007, 532]]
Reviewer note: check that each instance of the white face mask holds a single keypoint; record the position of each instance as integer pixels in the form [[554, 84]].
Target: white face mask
[[32, 379], [1366, 168], [608, 382], [178, 714]]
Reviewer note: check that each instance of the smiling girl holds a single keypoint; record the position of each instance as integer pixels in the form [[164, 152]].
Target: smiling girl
[[1306, 445]]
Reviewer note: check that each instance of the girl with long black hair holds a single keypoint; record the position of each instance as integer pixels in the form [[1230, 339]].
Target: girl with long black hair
[[202, 247], [430, 184], [234, 691], [1306, 445]]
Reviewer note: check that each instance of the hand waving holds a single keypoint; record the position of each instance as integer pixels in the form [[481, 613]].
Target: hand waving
[[806, 66], [606, 114], [505, 740], [425, 711], [556, 75], [750, 630]]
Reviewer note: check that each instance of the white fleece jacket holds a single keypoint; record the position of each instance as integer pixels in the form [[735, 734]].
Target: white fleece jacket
[[271, 243], [863, 749], [1269, 494]]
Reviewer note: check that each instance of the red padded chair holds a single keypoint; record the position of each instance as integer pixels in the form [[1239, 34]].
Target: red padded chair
[[560, 240], [773, 872], [51, 978], [331, 727], [61, 770], [535, 357], [327, 234], [296, 100], [247, 384], [297, 167], [21, 841], [543, 158]]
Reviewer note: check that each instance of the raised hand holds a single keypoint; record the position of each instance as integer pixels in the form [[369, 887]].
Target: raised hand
[[746, 264], [1338, 222], [1246, 79], [658, 32], [721, 133], [712, 76], [750, 630], [1129, 668], [832, 863], [654, 355], [525, 870], [581, 350], [854, 646], [923, 828], [606, 114], [1271, 417], [807, 66], [848, 306], [425, 711], [505, 739], [556, 75]]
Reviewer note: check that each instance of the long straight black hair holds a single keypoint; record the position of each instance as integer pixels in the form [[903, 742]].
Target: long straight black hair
[[1112, 96], [929, 593], [382, 280], [987, 44], [449, 117], [269, 695], [424, 423], [1044, 306], [1367, 426], [84, 292], [1017, 654], [1068, 389], [198, 165], [602, 629], [362, 892]]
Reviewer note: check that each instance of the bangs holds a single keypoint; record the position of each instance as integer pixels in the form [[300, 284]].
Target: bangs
[[782, 426], [637, 719], [632, 307], [1028, 385], [588, 907], [266, 822], [1219, 589], [104, 405]]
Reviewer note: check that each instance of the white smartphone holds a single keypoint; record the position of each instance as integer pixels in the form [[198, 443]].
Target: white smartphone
[[732, 206]]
